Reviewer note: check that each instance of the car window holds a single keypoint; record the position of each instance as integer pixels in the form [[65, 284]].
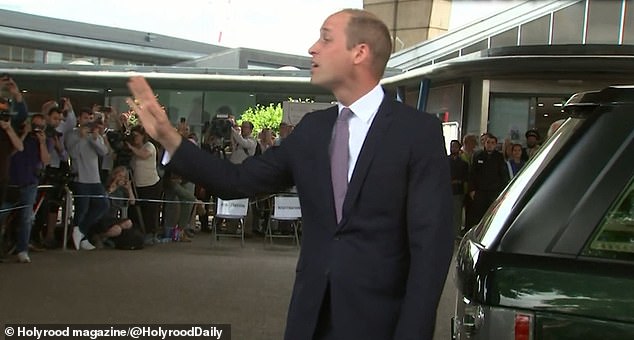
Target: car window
[[489, 229], [614, 238]]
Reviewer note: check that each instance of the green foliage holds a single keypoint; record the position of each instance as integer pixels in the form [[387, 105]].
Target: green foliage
[[263, 117]]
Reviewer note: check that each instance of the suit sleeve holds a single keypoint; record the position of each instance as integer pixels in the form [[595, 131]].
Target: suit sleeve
[[429, 215], [267, 173]]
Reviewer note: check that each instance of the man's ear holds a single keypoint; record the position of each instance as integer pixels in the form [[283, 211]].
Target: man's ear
[[362, 53]]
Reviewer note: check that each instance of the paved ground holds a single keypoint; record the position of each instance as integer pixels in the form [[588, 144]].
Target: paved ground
[[248, 288]]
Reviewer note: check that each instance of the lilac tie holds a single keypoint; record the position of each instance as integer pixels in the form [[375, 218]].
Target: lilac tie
[[339, 160]]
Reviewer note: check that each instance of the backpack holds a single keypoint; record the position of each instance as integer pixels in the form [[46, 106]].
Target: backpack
[[130, 239]]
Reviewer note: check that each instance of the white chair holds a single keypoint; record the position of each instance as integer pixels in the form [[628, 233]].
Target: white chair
[[285, 208], [230, 210]]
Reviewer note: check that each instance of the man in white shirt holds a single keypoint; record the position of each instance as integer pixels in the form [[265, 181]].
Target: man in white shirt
[[242, 143]]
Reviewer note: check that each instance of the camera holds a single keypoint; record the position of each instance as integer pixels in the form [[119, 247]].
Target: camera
[[5, 116], [221, 128], [37, 128], [50, 132]]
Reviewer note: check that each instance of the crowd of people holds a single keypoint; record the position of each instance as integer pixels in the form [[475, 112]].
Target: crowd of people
[[121, 194], [109, 165], [480, 171]]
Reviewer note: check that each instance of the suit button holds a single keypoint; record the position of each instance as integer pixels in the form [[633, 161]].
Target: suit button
[[337, 238], [327, 272]]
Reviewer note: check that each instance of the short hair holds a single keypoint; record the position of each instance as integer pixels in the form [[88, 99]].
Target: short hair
[[249, 124], [455, 141], [37, 115], [54, 109], [491, 136], [469, 137], [366, 28]]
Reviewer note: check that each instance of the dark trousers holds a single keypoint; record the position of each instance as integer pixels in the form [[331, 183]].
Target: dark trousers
[[149, 210], [481, 202], [323, 330]]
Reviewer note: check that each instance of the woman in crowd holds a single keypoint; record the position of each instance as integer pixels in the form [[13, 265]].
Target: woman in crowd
[[116, 220], [146, 180], [515, 163]]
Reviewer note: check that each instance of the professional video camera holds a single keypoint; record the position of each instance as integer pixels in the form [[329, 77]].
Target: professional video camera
[[220, 127], [117, 140]]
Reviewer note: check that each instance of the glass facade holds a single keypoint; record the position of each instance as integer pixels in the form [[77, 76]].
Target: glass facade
[[24, 55]]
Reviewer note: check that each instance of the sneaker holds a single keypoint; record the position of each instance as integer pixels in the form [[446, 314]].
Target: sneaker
[[77, 236], [86, 245], [23, 257]]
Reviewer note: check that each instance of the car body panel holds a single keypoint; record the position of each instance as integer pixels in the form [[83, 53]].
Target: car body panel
[[530, 253]]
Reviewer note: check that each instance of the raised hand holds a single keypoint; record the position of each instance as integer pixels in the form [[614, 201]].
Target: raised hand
[[153, 118]]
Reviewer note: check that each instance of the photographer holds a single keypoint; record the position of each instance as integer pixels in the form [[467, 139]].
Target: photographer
[[60, 120], [84, 145], [117, 138], [9, 140], [242, 143], [24, 171]]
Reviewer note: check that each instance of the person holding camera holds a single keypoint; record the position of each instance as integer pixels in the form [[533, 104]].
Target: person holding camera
[[24, 179], [242, 143], [60, 120], [85, 145], [13, 113]]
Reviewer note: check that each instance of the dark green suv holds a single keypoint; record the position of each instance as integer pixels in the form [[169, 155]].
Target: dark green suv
[[553, 258]]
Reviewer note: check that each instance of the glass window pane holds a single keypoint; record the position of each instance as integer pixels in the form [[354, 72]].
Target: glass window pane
[[447, 57], [446, 102], [5, 53], [53, 57], [28, 55], [568, 24], [628, 32], [508, 117], [536, 32], [16, 54], [615, 238], [508, 38], [604, 18], [479, 46]]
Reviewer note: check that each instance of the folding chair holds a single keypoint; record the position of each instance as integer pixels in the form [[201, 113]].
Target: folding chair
[[230, 210], [285, 208]]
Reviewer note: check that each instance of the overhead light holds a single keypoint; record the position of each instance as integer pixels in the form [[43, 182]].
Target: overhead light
[[24, 91], [75, 89], [545, 114], [558, 105], [540, 104], [109, 90], [251, 95]]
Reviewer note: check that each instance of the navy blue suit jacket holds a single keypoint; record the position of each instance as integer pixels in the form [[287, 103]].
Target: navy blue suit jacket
[[386, 261]]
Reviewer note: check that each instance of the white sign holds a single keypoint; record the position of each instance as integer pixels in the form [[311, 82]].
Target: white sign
[[293, 112], [287, 208], [237, 207], [451, 131]]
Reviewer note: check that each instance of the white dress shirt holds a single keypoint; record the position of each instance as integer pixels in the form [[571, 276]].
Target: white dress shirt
[[364, 109]]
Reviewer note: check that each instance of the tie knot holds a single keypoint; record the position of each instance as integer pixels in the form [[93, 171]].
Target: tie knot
[[345, 114]]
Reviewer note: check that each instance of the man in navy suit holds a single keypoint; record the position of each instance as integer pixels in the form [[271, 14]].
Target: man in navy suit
[[374, 266]]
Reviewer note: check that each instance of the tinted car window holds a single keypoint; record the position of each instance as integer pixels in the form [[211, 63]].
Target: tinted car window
[[489, 229], [615, 237]]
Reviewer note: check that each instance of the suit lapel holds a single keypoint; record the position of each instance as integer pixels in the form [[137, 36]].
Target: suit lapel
[[376, 134]]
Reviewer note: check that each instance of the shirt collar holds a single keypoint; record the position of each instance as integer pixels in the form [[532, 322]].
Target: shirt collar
[[366, 106]]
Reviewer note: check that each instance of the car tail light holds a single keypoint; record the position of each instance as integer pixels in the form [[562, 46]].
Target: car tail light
[[523, 327]]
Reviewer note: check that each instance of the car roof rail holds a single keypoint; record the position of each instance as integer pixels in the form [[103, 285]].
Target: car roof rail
[[585, 102]]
